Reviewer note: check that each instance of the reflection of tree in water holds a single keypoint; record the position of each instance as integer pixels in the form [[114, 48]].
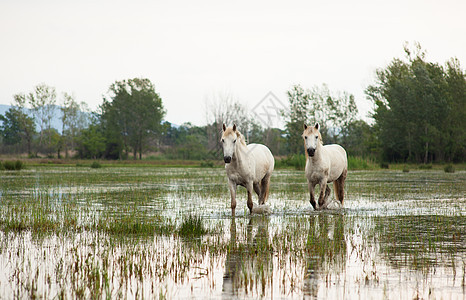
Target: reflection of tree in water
[[248, 264], [422, 242], [326, 250]]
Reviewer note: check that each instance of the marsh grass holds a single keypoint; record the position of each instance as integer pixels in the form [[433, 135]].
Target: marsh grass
[[192, 226], [449, 168], [145, 232], [12, 165]]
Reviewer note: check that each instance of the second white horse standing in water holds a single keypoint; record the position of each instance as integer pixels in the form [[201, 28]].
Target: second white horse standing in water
[[247, 165], [324, 164]]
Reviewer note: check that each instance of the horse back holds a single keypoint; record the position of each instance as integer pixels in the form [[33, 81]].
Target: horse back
[[338, 160], [263, 158]]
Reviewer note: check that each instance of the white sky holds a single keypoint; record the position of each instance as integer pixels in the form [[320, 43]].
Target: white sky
[[192, 49]]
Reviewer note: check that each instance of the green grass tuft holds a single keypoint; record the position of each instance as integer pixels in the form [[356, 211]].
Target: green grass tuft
[[192, 226]]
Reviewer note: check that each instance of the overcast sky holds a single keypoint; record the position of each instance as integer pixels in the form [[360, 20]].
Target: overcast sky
[[193, 49]]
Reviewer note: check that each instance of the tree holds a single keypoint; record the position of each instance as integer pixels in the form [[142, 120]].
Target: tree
[[17, 127], [74, 118], [416, 104], [91, 142], [334, 112], [42, 102], [224, 108], [132, 112], [295, 117], [455, 146]]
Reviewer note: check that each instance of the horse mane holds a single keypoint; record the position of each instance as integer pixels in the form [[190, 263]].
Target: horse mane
[[239, 135]]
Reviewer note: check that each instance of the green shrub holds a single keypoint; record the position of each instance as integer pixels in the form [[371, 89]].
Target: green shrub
[[2, 167], [384, 165], [297, 161], [19, 165], [13, 165], [207, 164], [449, 168], [405, 169], [96, 165], [425, 167], [359, 163]]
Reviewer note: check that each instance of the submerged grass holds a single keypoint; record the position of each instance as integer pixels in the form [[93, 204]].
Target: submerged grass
[[192, 226], [145, 232]]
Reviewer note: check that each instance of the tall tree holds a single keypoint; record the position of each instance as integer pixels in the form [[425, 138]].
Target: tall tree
[[224, 108], [296, 116], [335, 112], [455, 123], [74, 118], [42, 105], [132, 112], [414, 103], [17, 128]]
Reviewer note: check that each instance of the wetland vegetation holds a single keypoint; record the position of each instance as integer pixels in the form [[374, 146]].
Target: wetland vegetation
[[139, 231]]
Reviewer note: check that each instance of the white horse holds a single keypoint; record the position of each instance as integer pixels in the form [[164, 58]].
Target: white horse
[[247, 165], [324, 164]]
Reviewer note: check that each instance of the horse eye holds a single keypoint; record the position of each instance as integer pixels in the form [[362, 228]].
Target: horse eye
[[305, 137], [234, 141], [317, 137], [223, 141]]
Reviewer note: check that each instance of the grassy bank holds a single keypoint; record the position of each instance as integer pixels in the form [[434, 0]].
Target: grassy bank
[[296, 161]]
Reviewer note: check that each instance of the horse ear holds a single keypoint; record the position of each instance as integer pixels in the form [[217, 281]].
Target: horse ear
[[317, 126], [234, 127], [305, 126], [224, 127]]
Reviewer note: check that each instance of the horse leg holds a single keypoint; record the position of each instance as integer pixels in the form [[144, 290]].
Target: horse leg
[[311, 194], [232, 186], [249, 187], [327, 193], [323, 188], [336, 187], [257, 189], [265, 184], [340, 191]]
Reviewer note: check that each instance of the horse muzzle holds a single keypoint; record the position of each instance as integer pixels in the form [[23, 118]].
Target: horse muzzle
[[227, 159], [311, 151]]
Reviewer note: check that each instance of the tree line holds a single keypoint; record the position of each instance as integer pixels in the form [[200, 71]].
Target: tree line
[[419, 116]]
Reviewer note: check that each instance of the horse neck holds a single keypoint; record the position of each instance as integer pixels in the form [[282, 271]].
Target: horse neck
[[241, 155]]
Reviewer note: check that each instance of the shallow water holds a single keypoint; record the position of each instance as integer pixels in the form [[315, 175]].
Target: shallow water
[[399, 235]]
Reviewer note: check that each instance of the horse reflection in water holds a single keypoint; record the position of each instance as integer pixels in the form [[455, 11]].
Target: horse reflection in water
[[248, 266], [326, 246], [256, 267]]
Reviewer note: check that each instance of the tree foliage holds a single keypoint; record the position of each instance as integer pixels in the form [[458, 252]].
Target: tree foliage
[[334, 112], [131, 113], [17, 127], [420, 109]]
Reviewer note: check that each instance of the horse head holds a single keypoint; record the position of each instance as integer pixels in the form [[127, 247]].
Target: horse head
[[229, 138], [312, 138]]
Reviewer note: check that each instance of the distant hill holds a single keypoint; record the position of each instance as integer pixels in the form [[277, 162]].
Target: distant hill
[[56, 120]]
